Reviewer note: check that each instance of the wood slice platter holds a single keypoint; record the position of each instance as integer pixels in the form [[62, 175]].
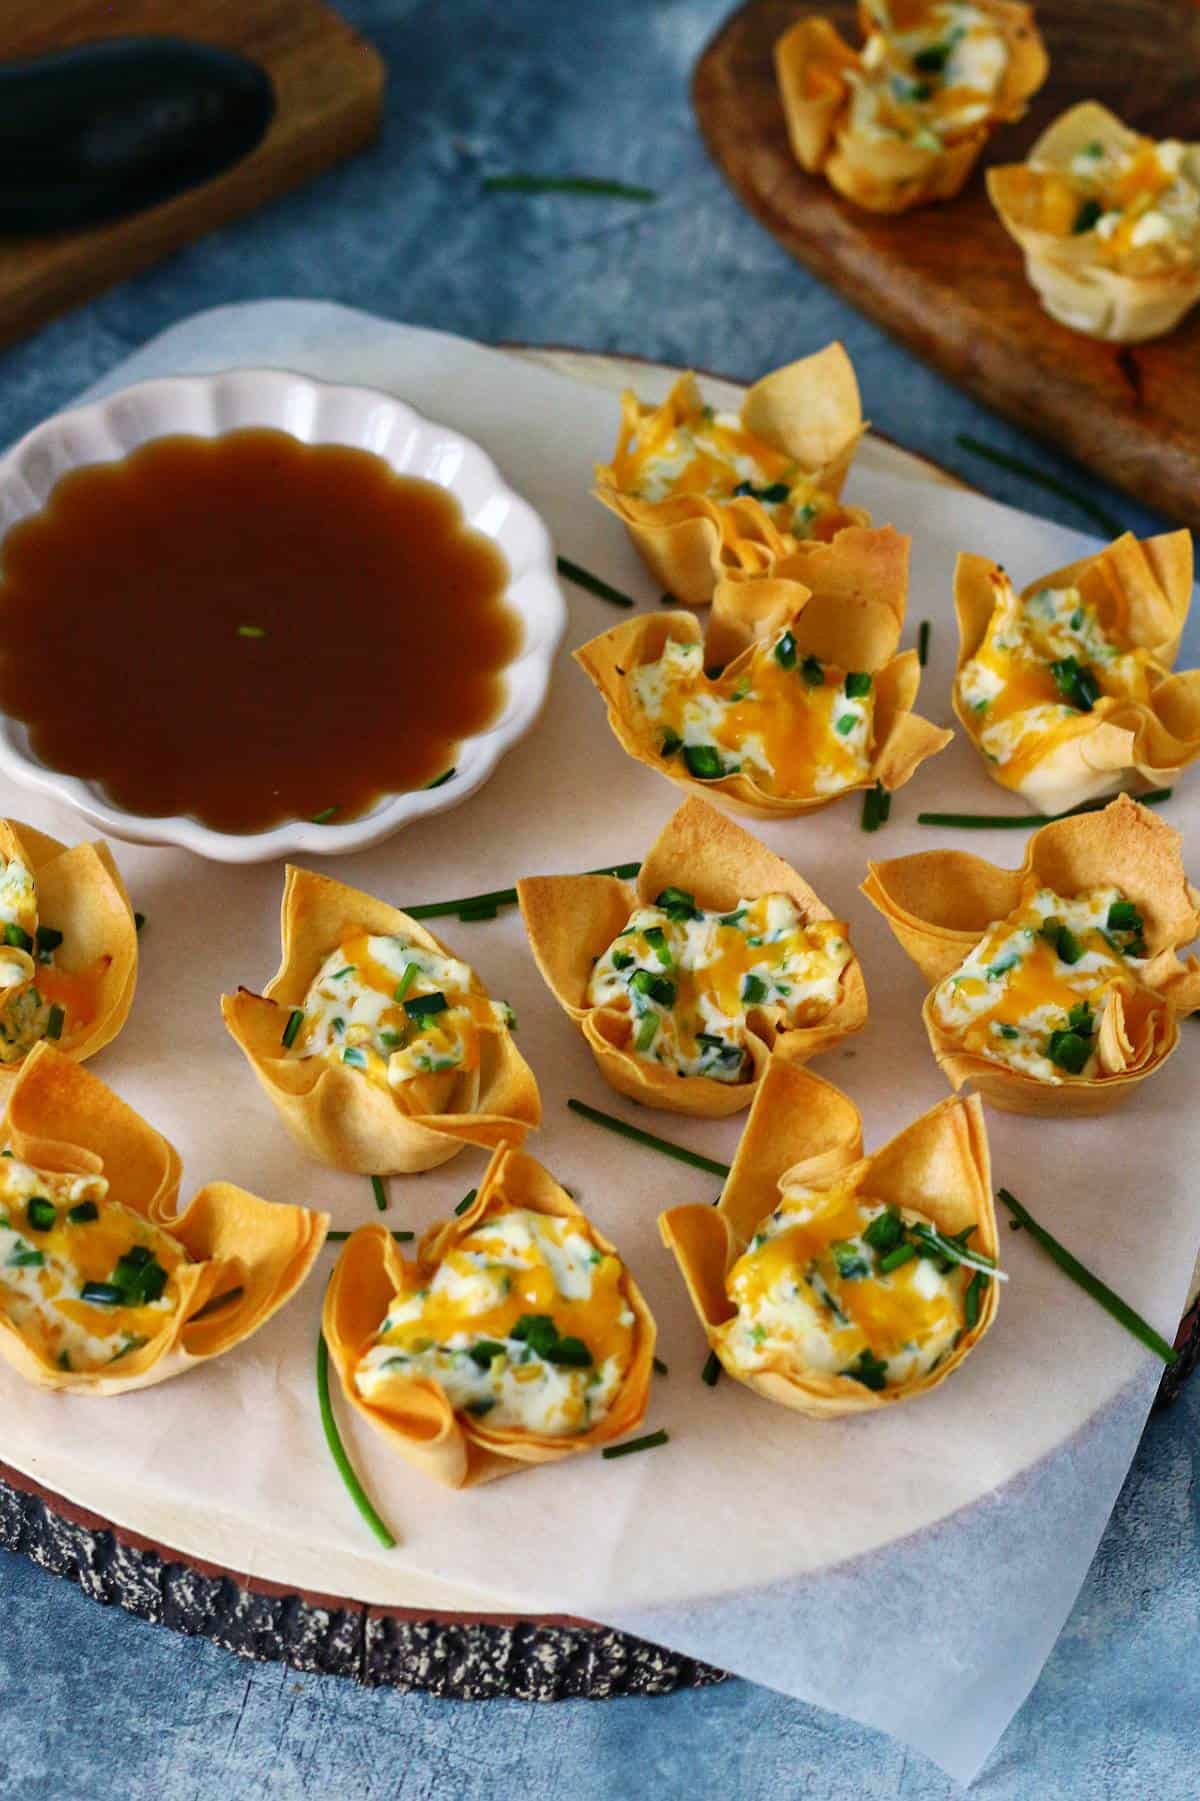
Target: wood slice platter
[[329, 98], [947, 280]]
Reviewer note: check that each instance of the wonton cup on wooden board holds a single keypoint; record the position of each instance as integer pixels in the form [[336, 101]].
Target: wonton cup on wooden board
[[69, 959], [700, 493], [1066, 689], [802, 1192], [370, 1083], [1067, 966], [903, 122], [703, 858], [813, 701], [1109, 222], [91, 1186], [416, 1413]]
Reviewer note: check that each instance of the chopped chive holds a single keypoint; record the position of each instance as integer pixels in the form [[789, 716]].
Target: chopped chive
[[857, 684], [472, 915], [620, 1126], [583, 578], [972, 1299], [406, 981], [813, 672], [646, 1033], [1092, 1285], [341, 1237], [251, 631], [102, 1294], [48, 941], [660, 1368], [18, 937], [139, 920], [1017, 465], [337, 1450], [970, 822], [294, 1021], [520, 183], [704, 762], [325, 814], [356, 1058], [40, 1213], [26, 1259], [923, 633], [877, 806], [785, 651], [711, 1371], [501, 897], [903, 1253], [380, 1193], [54, 1022], [754, 990], [439, 781], [83, 1214], [424, 1006], [648, 1443], [466, 1200], [844, 725]]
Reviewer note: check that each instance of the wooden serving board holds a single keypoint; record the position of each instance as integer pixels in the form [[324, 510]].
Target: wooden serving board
[[329, 98], [947, 280]]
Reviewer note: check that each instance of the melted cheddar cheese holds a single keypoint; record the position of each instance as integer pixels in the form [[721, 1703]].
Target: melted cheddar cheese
[[1136, 205], [525, 1323], [38, 998], [932, 83], [409, 1019], [1045, 661], [825, 1287], [798, 727], [82, 1278], [1033, 991], [693, 981]]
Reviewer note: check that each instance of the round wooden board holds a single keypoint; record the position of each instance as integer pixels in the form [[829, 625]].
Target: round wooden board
[[461, 1655]]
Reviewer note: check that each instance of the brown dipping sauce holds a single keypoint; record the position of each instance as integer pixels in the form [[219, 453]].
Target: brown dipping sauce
[[249, 629]]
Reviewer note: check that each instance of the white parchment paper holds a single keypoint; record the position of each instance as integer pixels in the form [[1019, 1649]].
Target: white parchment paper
[[912, 1570]]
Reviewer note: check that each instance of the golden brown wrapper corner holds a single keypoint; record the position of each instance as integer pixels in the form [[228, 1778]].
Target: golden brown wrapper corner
[[572, 920], [334, 1114], [417, 1419], [254, 1252], [813, 65], [843, 602], [1074, 282], [940, 903], [804, 1131], [80, 892], [810, 409]]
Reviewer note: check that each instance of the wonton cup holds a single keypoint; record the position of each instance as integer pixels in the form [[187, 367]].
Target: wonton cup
[[887, 173], [843, 602], [335, 1114], [940, 903], [248, 1256], [810, 410], [805, 1132], [1143, 590], [572, 919], [1124, 300], [456, 1448], [80, 893]]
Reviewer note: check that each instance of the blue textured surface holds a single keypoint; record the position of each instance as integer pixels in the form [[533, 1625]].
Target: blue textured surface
[[96, 1704]]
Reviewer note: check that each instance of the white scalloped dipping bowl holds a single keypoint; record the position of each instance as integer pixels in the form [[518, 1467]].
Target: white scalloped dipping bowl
[[315, 412]]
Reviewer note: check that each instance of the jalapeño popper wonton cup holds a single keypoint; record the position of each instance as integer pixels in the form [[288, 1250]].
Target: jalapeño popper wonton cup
[[1066, 688], [685, 986], [517, 1336], [1057, 987], [701, 492], [382, 1052], [104, 1284], [812, 700], [828, 1281], [903, 122], [68, 946], [1109, 222]]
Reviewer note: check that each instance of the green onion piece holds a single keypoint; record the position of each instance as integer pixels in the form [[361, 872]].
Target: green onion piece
[[24, 1259], [1123, 916], [704, 762], [54, 1022], [671, 745], [711, 1372], [48, 941], [251, 631], [407, 978], [17, 936], [885, 1230], [857, 683], [83, 1214], [102, 1294], [624, 1130], [465, 1203], [754, 990], [1068, 1051], [876, 808], [566, 184], [294, 1021], [503, 897], [903, 1253], [40, 1213], [439, 781], [323, 816], [593, 583], [1092, 1285], [972, 1299], [646, 1033], [424, 1006], [570, 1353], [677, 904], [656, 988], [473, 914], [845, 725], [337, 1450], [923, 633], [774, 493], [1111, 527], [660, 1368], [139, 920], [970, 822], [785, 651], [813, 672], [380, 1193], [485, 1352], [868, 1369], [647, 1443]]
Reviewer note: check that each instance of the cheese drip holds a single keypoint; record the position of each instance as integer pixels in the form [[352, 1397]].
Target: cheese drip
[[931, 84], [38, 998], [692, 980], [1033, 991], [1133, 204], [408, 1019], [46, 1262], [1045, 661], [800, 728], [812, 1298], [525, 1323]]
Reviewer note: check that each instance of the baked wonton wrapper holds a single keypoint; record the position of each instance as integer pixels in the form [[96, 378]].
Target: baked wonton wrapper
[[883, 170], [844, 602], [571, 920], [940, 903], [805, 1132], [809, 411], [1103, 286], [456, 1448], [335, 1113], [247, 1256], [1142, 591], [93, 972]]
